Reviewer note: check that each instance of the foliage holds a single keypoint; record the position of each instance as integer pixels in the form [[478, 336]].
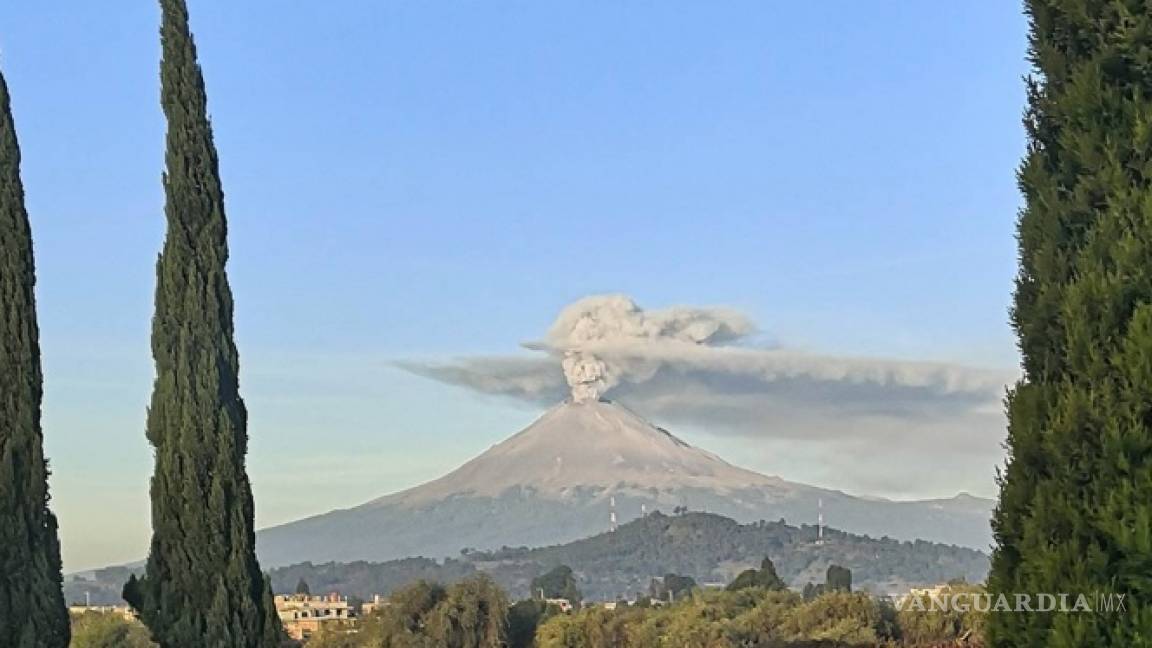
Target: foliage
[[762, 623], [203, 587], [591, 628], [764, 577], [732, 618], [470, 614], [925, 625], [559, 582], [838, 579], [706, 547], [330, 636], [713, 548], [1075, 509], [671, 587], [108, 630], [404, 621], [99, 587], [475, 614], [523, 619], [32, 611], [842, 617], [365, 579]]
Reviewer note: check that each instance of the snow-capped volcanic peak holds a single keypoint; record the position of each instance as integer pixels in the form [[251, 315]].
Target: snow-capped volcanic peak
[[587, 444]]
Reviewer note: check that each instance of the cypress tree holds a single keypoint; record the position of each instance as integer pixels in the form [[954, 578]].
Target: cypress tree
[[203, 587], [32, 611], [1075, 510]]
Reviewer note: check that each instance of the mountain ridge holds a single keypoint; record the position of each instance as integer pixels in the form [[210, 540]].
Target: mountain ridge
[[562, 477], [711, 548]]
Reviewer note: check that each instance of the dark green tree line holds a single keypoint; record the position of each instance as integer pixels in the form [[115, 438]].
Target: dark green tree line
[[557, 583], [470, 614], [32, 611], [1075, 512], [203, 586], [765, 577]]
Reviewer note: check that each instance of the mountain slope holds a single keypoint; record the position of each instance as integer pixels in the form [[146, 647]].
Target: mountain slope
[[595, 444], [714, 549], [710, 548], [561, 477]]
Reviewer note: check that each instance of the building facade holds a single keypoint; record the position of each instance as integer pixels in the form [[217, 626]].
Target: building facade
[[303, 615]]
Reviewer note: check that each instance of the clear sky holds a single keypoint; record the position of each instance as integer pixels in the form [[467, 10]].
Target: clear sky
[[439, 179]]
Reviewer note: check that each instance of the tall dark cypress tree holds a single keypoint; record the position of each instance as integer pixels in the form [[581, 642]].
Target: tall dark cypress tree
[[203, 587], [1075, 511], [32, 611]]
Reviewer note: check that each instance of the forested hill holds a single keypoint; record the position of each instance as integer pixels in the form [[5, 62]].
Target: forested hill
[[713, 549], [708, 547]]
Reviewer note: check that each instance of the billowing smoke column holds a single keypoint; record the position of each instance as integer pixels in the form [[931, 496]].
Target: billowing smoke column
[[597, 337], [704, 368], [586, 374]]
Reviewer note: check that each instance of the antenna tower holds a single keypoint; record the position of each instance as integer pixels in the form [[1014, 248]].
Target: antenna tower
[[820, 521]]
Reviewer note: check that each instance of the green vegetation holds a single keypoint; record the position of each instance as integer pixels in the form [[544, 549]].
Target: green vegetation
[[559, 583], [671, 587], [838, 579], [1075, 508], [711, 548], [765, 578], [406, 619], [759, 617], [941, 627], [706, 547], [108, 630], [470, 614], [101, 587], [203, 586], [524, 617], [364, 579], [32, 611], [475, 612]]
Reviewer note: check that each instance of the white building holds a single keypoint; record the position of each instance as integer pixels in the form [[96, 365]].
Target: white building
[[302, 615]]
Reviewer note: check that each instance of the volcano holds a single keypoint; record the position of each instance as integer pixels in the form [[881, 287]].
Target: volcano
[[568, 474]]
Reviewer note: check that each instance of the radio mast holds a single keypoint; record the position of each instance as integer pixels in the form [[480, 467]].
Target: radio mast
[[820, 521]]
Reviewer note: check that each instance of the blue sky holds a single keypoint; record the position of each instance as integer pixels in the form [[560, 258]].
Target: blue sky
[[433, 180]]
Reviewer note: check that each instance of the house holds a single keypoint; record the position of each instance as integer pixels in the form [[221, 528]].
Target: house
[[303, 615], [564, 604], [377, 602], [122, 611]]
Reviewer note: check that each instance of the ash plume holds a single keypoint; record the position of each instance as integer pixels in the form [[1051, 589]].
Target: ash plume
[[698, 367], [597, 337], [693, 359]]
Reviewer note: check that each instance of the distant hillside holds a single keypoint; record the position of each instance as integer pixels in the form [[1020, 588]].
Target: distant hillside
[[708, 547], [100, 586], [713, 549]]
